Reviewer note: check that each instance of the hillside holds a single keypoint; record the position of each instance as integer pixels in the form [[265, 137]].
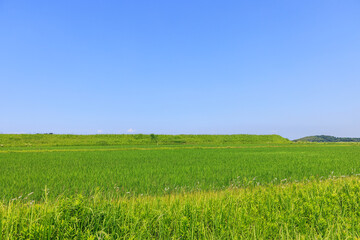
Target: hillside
[[325, 138], [8, 140]]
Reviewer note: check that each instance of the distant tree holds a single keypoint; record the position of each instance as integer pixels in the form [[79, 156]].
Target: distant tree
[[154, 138], [325, 138]]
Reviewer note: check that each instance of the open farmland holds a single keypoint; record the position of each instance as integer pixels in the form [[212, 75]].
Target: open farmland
[[205, 190]]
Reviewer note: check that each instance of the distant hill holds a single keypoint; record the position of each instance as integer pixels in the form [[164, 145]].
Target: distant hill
[[325, 138], [8, 140]]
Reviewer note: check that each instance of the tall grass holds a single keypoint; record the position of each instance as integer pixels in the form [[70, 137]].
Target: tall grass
[[328, 209]]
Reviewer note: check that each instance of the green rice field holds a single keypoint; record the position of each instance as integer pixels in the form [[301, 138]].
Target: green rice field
[[212, 189]]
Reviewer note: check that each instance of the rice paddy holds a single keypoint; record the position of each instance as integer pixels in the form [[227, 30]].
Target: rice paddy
[[183, 191]]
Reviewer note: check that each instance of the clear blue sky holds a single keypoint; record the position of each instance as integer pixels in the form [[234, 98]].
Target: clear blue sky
[[171, 67]]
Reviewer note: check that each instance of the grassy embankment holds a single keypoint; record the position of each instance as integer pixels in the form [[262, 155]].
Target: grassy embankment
[[21, 140]]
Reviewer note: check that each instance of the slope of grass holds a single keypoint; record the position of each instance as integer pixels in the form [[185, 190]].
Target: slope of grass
[[9, 140], [328, 209]]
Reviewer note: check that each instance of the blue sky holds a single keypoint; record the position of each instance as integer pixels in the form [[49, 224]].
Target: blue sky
[[173, 67]]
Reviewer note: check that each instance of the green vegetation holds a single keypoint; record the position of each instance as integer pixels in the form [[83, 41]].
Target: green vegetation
[[324, 138], [10, 140], [211, 190], [157, 171], [315, 210], [154, 138]]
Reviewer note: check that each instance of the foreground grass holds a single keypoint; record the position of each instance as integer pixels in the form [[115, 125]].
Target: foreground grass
[[328, 209]]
